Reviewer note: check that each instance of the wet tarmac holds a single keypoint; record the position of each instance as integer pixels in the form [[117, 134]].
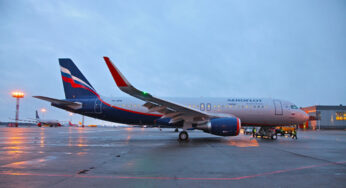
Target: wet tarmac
[[139, 157]]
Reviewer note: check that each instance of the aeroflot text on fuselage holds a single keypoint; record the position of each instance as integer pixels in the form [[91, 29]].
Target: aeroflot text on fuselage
[[244, 100]]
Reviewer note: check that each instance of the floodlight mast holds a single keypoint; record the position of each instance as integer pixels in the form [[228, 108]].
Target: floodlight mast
[[17, 95]]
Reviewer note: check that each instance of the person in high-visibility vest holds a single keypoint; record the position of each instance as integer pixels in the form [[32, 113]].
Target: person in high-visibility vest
[[282, 131], [253, 132], [294, 134]]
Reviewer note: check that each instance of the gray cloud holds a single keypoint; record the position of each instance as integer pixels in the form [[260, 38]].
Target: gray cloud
[[292, 50]]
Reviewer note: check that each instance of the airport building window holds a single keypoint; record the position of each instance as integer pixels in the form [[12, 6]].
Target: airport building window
[[340, 116]]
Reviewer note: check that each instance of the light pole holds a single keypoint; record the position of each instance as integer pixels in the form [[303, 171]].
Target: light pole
[[43, 110], [70, 114], [17, 95], [83, 121]]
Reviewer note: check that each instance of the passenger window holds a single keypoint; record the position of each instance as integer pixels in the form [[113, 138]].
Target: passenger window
[[208, 106]]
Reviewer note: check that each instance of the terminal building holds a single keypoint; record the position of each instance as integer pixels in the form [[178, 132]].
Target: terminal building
[[325, 117]]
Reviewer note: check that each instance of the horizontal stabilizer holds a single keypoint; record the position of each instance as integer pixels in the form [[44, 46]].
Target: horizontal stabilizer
[[73, 105]]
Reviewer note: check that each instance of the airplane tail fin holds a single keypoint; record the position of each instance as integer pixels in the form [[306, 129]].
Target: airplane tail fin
[[37, 117], [75, 84]]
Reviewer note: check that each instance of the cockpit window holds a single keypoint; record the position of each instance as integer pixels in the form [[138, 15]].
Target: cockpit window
[[294, 107]]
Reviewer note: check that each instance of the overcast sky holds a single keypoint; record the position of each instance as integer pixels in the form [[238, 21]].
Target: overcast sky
[[293, 50]]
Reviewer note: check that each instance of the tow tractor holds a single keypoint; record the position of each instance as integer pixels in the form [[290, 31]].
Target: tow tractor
[[267, 132], [285, 130]]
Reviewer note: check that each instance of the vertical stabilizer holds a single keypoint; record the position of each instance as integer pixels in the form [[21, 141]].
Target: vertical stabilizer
[[75, 84], [37, 117]]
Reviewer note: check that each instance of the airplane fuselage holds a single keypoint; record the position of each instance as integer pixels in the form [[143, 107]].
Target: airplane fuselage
[[251, 111]]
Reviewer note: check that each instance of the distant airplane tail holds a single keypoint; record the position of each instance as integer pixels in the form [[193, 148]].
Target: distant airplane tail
[[75, 84], [70, 124], [37, 117]]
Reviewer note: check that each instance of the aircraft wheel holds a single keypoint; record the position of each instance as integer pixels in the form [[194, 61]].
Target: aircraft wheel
[[274, 137], [183, 136]]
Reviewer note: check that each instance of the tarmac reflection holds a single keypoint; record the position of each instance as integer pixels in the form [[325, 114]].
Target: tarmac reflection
[[81, 142], [42, 138], [15, 141], [243, 143]]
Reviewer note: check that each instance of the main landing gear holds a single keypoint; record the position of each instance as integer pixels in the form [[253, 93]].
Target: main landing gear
[[183, 136]]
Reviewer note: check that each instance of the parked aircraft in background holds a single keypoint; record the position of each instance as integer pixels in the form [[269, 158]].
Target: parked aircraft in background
[[46, 122], [72, 125], [218, 116], [43, 122]]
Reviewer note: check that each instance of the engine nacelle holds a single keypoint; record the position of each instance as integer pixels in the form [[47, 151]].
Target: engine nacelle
[[229, 126]]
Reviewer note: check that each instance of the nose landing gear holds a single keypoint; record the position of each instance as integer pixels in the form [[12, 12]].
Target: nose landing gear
[[183, 136]]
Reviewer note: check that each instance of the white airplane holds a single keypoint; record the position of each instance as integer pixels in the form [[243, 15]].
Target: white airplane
[[46, 122], [218, 116]]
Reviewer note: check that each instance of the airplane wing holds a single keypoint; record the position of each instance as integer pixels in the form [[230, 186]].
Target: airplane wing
[[175, 111], [73, 105]]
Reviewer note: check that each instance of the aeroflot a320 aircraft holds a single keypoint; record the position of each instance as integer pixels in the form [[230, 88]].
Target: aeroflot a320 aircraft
[[218, 116]]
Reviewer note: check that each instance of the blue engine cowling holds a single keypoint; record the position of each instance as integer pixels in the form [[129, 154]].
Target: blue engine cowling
[[229, 126]]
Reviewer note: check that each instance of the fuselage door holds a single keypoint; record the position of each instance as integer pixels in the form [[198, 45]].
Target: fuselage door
[[98, 106], [278, 107]]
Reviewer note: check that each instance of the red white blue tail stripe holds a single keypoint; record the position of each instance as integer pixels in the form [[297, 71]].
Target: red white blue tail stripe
[[67, 74]]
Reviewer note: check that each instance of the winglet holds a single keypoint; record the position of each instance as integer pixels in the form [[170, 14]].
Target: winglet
[[117, 76]]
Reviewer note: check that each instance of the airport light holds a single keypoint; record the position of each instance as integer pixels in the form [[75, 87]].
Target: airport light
[[43, 110], [17, 95], [70, 114]]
